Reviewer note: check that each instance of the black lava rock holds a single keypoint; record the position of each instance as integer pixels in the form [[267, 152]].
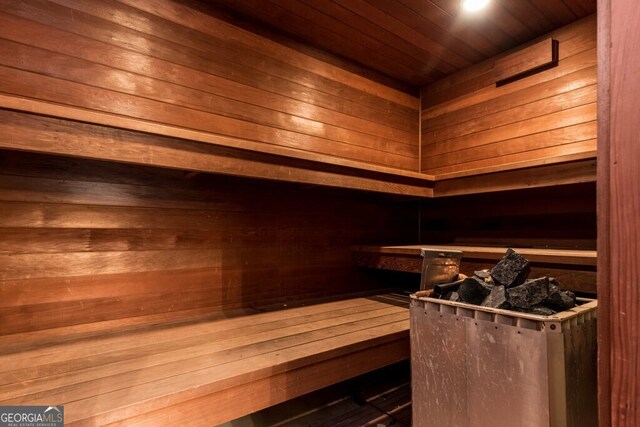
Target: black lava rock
[[530, 293], [554, 286], [452, 296], [446, 288], [536, 309], [485, 276], [511, 270], [497, 298], [561, 300], [473, 290], [539, 309]]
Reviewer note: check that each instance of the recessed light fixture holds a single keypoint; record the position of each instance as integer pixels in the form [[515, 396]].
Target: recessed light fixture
[[474, 5]]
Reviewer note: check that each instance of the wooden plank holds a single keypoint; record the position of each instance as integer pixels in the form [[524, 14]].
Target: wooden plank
[[575, 278], [606, 315], [566, 83], [568, 117], [33, 133], [575, 38], [154, 18], [36, 86], [273, 390], [231, 101], [20, 266], [20, 56], [310, 344], [570, 96], [515, 162], [89, 241], [506, 151], [118, 58], [618, 203], [84, 339], [519, 165], [430, 18], [534, 58], [547, 256], [406, 57], [544, 174], [189, 16], [574, 269], [469, 124], [76, 369], [431, 38], [270, 361]]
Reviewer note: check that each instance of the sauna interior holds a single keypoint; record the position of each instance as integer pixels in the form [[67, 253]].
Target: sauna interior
[[211, 211]]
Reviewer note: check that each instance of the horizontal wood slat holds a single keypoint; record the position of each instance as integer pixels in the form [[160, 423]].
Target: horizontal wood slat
[[202, 75], [90, 241], [160, 370], [575, 269], [530, 59], [558, 169], [37, 133], [544, 256], [469, 124], [416, 41]]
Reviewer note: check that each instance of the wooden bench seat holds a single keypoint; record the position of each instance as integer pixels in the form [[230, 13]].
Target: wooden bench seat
[[201, 373], [575, 269]]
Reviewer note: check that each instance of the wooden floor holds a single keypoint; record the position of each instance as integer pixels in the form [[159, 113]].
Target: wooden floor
[[202, 373]]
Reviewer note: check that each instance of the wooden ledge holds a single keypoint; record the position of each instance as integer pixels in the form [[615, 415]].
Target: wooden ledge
[[546, 161], [547, 256], [574, 269], [175, 375], [116, 121], [38, 127], [45, 127], [546, 172]]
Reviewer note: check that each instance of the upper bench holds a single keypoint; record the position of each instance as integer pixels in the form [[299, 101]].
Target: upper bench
[[574, 269]]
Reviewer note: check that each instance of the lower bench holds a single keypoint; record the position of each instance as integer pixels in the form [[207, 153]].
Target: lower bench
[[202, 373]]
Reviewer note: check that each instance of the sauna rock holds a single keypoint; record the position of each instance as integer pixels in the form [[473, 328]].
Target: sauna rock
[[511, 270]]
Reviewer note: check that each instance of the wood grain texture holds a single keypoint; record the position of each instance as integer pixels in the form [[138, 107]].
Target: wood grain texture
[[171, 64], [549, 224], [555, 217], [548, 171], [577, 279], [605, 312], [468, 123], [532, 58], [544, 256], [160, 375], [619, 204], [86, 241], [414, 41], [36, 133]]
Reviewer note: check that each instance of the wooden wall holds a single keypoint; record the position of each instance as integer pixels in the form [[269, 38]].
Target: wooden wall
[[554, 217], [171, 63], [468, 123], [618, 214], [84, 241]]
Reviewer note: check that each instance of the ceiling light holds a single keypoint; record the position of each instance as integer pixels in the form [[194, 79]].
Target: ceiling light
[[473, 5]]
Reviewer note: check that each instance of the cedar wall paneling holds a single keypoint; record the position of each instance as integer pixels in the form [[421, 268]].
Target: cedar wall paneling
[[562, 217], [84, 241], [168, 62], [468, 123]]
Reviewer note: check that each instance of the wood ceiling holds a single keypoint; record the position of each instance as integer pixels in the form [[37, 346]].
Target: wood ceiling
[[413, 41]]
